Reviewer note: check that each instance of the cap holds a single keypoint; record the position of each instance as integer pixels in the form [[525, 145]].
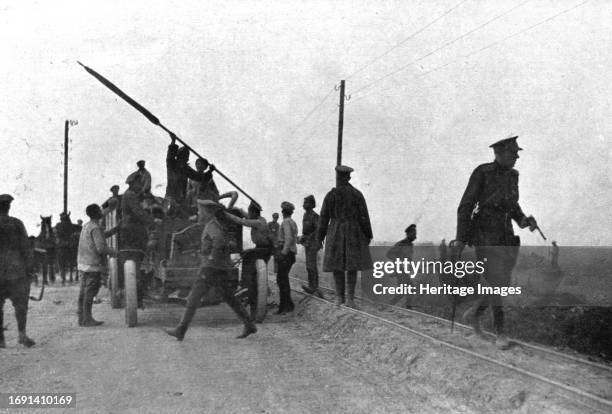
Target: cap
[[309, 199], [209, 204], [344, 169], [412, 226], [507, 143], [140, 163], [114, 186], [4, 198], [285, 205]]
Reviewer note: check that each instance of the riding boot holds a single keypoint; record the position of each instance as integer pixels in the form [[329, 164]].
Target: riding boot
[[501, 340], [309, 288], [21, 313], [249, 326], [339, 282], [183, 325], [25, 340], [351, 282], [311, 279]]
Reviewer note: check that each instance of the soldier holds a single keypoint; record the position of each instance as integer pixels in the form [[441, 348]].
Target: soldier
[[114, 201], [260, 236], [554, 257], [203, 185], [484, 219], [310, 222], [346, 224], [15, 268], [404, 249], [274, 228], [176, 187], [287, 242], [144, 178], [91, 257], [442, 250], [215, 271]]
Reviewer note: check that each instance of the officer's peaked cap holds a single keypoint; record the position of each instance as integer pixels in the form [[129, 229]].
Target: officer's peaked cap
[[6, 198], [344, 169], [506, 143]]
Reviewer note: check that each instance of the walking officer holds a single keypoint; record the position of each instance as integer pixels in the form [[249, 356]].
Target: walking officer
[[215, 272], [345, 223], [15, 268], [484, 219]]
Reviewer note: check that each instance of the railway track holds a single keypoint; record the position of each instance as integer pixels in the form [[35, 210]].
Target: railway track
[[581, 380]]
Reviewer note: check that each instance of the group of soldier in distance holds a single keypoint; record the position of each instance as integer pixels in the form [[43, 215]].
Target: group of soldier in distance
[[484, 220]]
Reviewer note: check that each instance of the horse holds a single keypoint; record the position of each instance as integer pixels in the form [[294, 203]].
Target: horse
[[67, 246], [45, 249]]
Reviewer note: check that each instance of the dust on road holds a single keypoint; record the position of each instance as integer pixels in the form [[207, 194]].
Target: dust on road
[[116, 369]]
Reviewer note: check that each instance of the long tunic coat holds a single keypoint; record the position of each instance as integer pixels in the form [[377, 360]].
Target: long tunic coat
[[345, 223]]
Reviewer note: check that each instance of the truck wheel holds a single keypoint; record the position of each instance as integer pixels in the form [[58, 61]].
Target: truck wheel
[[113, 276], [131, 295], [259, 303]]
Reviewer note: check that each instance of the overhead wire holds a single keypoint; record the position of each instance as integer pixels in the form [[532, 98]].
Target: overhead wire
[[488, 46], [312, 111], [318, 105], [422, 29], [445, 45]]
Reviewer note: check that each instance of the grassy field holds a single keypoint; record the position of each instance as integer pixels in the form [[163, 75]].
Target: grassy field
[[569, 307]]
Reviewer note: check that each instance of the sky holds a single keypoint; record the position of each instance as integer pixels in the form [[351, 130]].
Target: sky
[[432, 84]]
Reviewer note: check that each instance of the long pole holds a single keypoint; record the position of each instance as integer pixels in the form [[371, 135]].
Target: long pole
[[153, 119], [66, 167], [340, 124]]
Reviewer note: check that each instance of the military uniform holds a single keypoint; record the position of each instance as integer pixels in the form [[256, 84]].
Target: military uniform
[[345, 224], [15, 265], [215, 273], [484, 219], [310, 222]]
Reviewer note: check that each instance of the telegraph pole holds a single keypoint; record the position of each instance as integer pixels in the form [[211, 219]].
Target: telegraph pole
[[66, 167], [66, 126], [340, 124]]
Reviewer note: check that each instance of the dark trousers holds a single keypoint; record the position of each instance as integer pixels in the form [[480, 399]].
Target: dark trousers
[[285, 261], [499, 262], [90, 285], [340, 279], [213, 279], [18, 291], [311, 267]]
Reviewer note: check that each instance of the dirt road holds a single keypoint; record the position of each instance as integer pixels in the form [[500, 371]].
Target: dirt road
[[116, 369]]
